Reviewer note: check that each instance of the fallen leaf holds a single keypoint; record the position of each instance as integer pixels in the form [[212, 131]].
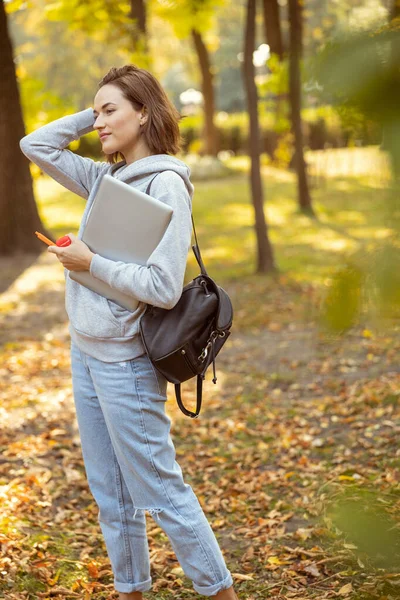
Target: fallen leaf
[[346, 589], [93, 570], [242, 577], [312, 569]]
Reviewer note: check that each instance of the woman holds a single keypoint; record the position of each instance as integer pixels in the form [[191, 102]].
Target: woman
[[119, 396]]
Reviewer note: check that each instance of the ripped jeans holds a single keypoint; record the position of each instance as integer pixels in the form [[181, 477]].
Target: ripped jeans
[[130, 466]]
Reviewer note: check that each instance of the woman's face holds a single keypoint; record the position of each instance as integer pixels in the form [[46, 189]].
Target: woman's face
[[118, 119]]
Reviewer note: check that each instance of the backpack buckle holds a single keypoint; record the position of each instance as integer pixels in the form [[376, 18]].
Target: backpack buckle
[[204, 353], [211, 339]]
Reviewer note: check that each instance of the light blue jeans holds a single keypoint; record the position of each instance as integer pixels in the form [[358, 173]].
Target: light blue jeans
[[130, 465]]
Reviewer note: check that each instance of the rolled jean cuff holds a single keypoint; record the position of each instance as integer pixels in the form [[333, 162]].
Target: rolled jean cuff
[[126, 588], [212, 590]]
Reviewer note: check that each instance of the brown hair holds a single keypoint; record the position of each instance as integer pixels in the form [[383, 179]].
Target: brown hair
[[142, 89]]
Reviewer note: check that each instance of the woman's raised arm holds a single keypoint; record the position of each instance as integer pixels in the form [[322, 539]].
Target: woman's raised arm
[[46, 147]]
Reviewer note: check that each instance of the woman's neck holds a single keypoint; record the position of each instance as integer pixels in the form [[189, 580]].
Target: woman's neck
[[140, 150]]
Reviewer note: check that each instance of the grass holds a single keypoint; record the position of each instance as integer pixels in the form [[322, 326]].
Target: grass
[[305, 249]]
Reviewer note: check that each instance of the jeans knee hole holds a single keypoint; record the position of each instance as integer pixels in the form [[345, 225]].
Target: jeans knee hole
[[151, 511]]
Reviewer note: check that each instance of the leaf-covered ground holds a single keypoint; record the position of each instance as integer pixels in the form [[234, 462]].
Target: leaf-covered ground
[[295, 456]]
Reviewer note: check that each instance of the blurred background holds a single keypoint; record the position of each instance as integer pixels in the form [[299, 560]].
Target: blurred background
[[291, 128]]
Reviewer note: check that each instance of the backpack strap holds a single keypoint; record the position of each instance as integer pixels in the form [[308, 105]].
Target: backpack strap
[[149, 184], [187, 412], [195, 247]]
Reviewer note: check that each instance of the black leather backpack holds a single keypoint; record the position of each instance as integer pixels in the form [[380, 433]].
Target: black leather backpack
[[183, 341]]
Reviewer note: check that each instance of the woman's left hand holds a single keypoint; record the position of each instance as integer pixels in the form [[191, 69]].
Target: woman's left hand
[[75, 257]]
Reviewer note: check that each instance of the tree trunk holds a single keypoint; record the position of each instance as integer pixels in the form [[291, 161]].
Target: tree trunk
[[273, 37], [272, 27], [139, 37], [295, 20], [395, 11], [210, 134], [265, 256], [19, 218]]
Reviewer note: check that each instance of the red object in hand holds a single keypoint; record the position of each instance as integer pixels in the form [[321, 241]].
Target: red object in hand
[[64, 241]]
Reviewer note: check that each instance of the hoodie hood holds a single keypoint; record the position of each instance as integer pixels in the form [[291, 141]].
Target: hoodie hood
[[144, 167]]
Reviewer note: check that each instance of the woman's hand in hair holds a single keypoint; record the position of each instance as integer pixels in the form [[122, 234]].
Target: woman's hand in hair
[[75, 257]]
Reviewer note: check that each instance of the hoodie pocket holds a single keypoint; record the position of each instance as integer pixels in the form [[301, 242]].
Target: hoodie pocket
[[128, 319], [117, 311], [114, 319], [89, 312]]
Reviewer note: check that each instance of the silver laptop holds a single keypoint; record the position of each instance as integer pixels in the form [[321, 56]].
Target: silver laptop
[[123, 224]]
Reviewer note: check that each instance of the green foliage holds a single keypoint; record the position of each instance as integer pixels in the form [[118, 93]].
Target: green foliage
[[342, 303], [365, 522], [54, 74], [41, 105], [368, 102], [384, 278], [322, 126], [104, 22], [98, 19], [284, 151], [366, 286], [373, 94], [278, 80], [185, 15], [375, 89], [335, 128], [13, 6]]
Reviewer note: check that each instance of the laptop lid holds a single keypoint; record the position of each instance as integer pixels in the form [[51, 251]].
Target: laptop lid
[[125, 223]]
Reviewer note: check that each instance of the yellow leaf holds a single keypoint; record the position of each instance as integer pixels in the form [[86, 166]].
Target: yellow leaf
[[317, 33], [76, 585], [346, 589], [242, 577], [53, 581], [21, 72], [274, 560]]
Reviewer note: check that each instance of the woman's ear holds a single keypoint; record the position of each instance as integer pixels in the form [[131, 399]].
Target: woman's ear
[[143, 115]]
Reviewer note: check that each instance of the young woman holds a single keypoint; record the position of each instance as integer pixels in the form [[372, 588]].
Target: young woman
[[119, 396]]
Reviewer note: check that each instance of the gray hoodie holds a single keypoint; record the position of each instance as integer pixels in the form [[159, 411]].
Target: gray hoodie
[[100, 327]]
